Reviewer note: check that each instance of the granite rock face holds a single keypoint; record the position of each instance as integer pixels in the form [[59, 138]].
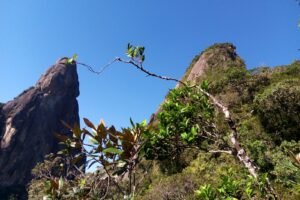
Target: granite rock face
[[28, 123]]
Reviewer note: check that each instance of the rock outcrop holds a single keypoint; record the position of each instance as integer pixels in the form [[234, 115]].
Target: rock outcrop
[[214, 59], [28, 123], [211, 64]]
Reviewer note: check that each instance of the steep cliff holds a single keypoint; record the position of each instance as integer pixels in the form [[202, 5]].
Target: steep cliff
[[28, 123]]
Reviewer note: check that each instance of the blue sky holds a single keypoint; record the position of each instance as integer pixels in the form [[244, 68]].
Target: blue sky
[[35, 33]]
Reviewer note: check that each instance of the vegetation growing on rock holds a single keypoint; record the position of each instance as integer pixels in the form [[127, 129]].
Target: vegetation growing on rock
[[185, 154]]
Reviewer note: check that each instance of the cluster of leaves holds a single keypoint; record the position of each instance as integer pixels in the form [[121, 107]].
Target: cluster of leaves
[[115, 152], [107, 146], [136, 53], [278, 108], [286, 165], [232, 189], [258, 150], [186, 120], [72, 60]]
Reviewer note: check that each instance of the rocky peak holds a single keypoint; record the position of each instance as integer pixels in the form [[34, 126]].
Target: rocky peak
[[217, 57], [28, 123], [60, 78]]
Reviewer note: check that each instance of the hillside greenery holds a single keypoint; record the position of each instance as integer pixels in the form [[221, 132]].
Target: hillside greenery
[[183, 152]]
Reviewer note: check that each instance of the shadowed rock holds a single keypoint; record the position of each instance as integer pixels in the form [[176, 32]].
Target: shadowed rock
[[28, 123]]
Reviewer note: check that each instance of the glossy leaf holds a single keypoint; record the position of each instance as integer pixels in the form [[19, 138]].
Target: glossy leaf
[[89, 123], [112, 151]]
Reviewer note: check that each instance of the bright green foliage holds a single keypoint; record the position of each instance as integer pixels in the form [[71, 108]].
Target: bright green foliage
[[285, 168], [237, 88], [206, 192], [136, 53], [234, 189], [229, 187], [72, 59], [185, 120]]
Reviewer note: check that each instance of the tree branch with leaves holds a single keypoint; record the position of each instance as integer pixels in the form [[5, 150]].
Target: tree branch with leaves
[[113, 147]]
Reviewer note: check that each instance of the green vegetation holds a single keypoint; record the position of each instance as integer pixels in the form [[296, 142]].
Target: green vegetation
[[186, 153]]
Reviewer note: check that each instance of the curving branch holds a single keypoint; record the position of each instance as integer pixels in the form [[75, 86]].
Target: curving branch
[[135, 64], [238, 151]]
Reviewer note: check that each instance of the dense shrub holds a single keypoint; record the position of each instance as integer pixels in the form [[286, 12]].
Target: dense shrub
[[279, 110], [185, 120]]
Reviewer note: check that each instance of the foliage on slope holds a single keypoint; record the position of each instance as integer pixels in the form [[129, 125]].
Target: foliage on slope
[[176, 162], [265, 102]]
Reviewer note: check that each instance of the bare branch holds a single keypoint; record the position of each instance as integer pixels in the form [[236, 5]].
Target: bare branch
[[91, 69], [135, 64], [140, 67]]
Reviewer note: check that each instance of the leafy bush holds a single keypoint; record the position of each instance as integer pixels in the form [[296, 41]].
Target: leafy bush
[[278, 108], [230, 188], [185, 120]]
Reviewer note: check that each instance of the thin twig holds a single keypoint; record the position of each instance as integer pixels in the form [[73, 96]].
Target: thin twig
[[91, 69], [138, 66]]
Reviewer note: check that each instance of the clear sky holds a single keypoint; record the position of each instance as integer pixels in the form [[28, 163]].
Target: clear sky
[[35, 33]]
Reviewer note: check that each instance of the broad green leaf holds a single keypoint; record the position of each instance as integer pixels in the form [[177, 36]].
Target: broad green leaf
[[194, 131], [184, 135], [113, 151]]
